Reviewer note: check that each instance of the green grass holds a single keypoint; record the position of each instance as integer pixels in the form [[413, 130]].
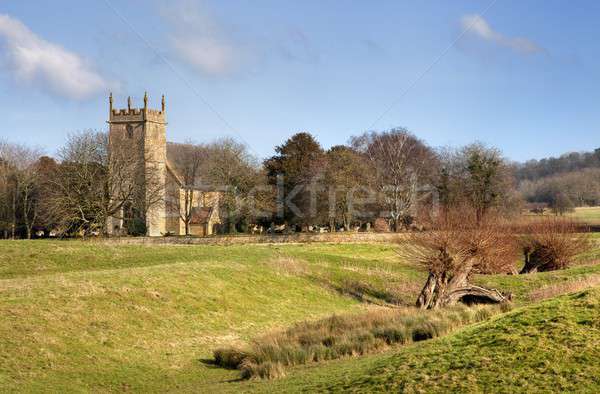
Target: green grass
[[548, 347], [92, 316], [589, 215]]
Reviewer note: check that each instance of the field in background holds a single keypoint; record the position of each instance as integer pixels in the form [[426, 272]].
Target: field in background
[[91, 316], [589, 215]]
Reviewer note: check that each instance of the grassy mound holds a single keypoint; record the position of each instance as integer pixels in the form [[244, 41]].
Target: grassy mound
[[342, 336], [549, 347]]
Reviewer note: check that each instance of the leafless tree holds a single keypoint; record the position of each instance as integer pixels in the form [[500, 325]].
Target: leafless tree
[[349, 177], [77, 188], [242, 183], [478, 177], [95, 180], [19, 180], [188, 159], [402, 162]]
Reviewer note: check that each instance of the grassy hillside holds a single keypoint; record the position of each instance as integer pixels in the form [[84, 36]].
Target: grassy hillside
[[94, 316], [549, 347], [83, 315]]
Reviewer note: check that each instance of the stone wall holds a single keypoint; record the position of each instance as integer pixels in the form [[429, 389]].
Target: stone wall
[[264, 239]]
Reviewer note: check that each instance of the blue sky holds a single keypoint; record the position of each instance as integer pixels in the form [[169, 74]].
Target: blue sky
[[523, 76]]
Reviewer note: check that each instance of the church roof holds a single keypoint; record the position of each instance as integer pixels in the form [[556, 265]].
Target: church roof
[[173, 170], [173, 163], [201, 215]]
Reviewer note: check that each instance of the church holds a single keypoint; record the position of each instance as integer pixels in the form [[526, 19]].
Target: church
[[142, 134]]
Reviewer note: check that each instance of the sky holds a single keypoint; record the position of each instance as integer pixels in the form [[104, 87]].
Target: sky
[[523, 76]]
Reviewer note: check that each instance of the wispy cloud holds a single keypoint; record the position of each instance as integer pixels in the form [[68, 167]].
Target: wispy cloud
[[478, 26], [295, 45], [45, 65], [199, 41]]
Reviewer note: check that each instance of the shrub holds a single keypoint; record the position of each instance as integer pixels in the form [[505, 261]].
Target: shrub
[[136, 227], [552, 244]]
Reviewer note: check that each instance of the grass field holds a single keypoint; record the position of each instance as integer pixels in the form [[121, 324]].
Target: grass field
[[589, 215], [90, 316]]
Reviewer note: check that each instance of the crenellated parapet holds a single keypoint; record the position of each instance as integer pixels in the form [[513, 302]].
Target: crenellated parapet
[[130, 114]]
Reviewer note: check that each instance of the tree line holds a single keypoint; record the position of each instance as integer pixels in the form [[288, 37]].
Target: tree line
[[562, 183], [378, 179], [533, 170]]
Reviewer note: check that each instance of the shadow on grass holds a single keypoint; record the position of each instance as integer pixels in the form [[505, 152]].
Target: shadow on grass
[[212, 364], [365, 292]]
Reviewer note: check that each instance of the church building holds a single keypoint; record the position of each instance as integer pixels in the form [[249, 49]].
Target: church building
[[141, 133]]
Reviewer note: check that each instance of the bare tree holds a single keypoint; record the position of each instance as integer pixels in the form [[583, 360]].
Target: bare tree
[[402, 162], [456, 247], [188, 159], [78, 186], [349, 177], [238, 174], [97, 180], [19, 181]]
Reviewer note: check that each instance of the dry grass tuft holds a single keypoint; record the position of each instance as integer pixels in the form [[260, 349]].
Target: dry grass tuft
[[289, 266], [342, 336], [571, 286]]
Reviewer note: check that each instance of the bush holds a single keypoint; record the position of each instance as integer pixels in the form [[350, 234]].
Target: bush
[[136, 227], [552, 244]]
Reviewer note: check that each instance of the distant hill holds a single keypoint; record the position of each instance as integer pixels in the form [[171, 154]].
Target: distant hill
[[571, 180], [569, 162]]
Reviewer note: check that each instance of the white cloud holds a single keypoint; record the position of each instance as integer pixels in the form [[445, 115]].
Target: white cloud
[[477, 25], [198, 41], [204, 53], [48, 66]]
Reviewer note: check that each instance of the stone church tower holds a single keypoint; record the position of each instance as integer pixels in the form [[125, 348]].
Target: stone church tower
[[141, 133]]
